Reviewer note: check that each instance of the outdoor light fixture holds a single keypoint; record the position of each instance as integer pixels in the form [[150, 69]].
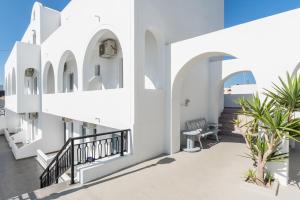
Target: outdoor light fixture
[[186, 102], [98, 17]]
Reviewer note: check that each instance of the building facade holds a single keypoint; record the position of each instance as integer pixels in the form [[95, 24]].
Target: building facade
[[100, 66]]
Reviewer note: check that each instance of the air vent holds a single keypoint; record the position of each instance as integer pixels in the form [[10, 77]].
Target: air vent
[[108, 48], [29, 72]]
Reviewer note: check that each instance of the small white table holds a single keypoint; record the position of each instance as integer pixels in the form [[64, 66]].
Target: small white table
[[190, 141]]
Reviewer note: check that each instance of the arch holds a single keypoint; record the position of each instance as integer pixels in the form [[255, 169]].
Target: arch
[[196, 63], [31, 81], [9, 85], [36, 10], [295, 72], [152, 68], [33, 37], [101, 72], [227, 77], [13, 79], [67, 78], [49, 79]]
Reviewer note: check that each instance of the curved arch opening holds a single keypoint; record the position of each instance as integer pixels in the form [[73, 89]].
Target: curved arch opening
[[49, 80], [9, 86], [103, 62], [152, 68], [13, 79], [67, 73], [296, 70], [195, 93], [31, 78], [236, 85]]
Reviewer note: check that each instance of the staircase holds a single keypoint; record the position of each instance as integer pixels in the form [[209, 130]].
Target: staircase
[[81, 150], [227, 118]]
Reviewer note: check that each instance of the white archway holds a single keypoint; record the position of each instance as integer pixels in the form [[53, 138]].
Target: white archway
[[103, 71], [67, 78], [237, 88], [48, 79], [195, 92]]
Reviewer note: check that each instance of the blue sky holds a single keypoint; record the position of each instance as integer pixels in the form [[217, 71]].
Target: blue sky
[[236, 12]]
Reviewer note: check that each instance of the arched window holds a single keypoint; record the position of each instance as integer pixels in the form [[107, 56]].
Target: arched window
[[67, 73], [13, 92], [9, 86], [49, 80], [103, 62], [33, 37], [152, 68], [31, 82]]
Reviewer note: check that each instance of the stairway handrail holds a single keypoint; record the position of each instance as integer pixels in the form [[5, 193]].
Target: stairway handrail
[[71, 140]]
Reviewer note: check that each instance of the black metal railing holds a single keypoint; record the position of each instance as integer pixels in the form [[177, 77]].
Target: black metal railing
[[85, 149]]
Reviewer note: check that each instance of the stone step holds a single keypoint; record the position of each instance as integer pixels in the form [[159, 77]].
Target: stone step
[[233, 133], [228, 118], [231, 111], [47, 192]]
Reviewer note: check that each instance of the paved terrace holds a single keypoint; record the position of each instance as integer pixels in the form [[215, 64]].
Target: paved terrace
[[16, 177], [212, 174]]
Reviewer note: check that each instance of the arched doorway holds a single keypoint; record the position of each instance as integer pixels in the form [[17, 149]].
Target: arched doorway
[[195, 93]]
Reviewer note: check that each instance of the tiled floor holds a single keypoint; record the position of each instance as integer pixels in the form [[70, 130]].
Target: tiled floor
[[16, 177], [215, 173]]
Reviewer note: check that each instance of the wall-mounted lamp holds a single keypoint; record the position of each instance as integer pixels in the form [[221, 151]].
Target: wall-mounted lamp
[[97, 17], [98, 120], [186, 103]]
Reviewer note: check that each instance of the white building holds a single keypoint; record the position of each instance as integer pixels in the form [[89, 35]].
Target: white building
[[131, 64]]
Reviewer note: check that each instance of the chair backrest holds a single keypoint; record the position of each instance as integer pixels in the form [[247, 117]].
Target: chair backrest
[[196, 124]]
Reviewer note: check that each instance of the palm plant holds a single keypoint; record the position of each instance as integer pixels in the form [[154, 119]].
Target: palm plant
[[287, 94], [270, 122]]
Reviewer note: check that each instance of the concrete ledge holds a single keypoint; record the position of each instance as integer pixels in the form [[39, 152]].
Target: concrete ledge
[[269, 192], [101, 169]]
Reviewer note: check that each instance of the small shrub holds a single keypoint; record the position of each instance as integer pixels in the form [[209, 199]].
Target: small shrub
[[250, 176], [269, 178]]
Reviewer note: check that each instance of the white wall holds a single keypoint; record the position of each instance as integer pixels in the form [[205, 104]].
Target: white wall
[[266, 62], [158, 17], [195, 88], [243, 89], [111, 107], [12, 119]]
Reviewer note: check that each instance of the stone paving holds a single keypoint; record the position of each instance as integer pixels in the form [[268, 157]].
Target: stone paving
[[16, 176], [215, 173]]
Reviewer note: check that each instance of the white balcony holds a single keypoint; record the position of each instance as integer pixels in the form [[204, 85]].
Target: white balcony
[[109, 108], [23, 103], [22, 78]]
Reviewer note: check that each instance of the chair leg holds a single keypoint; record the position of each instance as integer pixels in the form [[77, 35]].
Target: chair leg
[[217, 137], [199, 138]]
